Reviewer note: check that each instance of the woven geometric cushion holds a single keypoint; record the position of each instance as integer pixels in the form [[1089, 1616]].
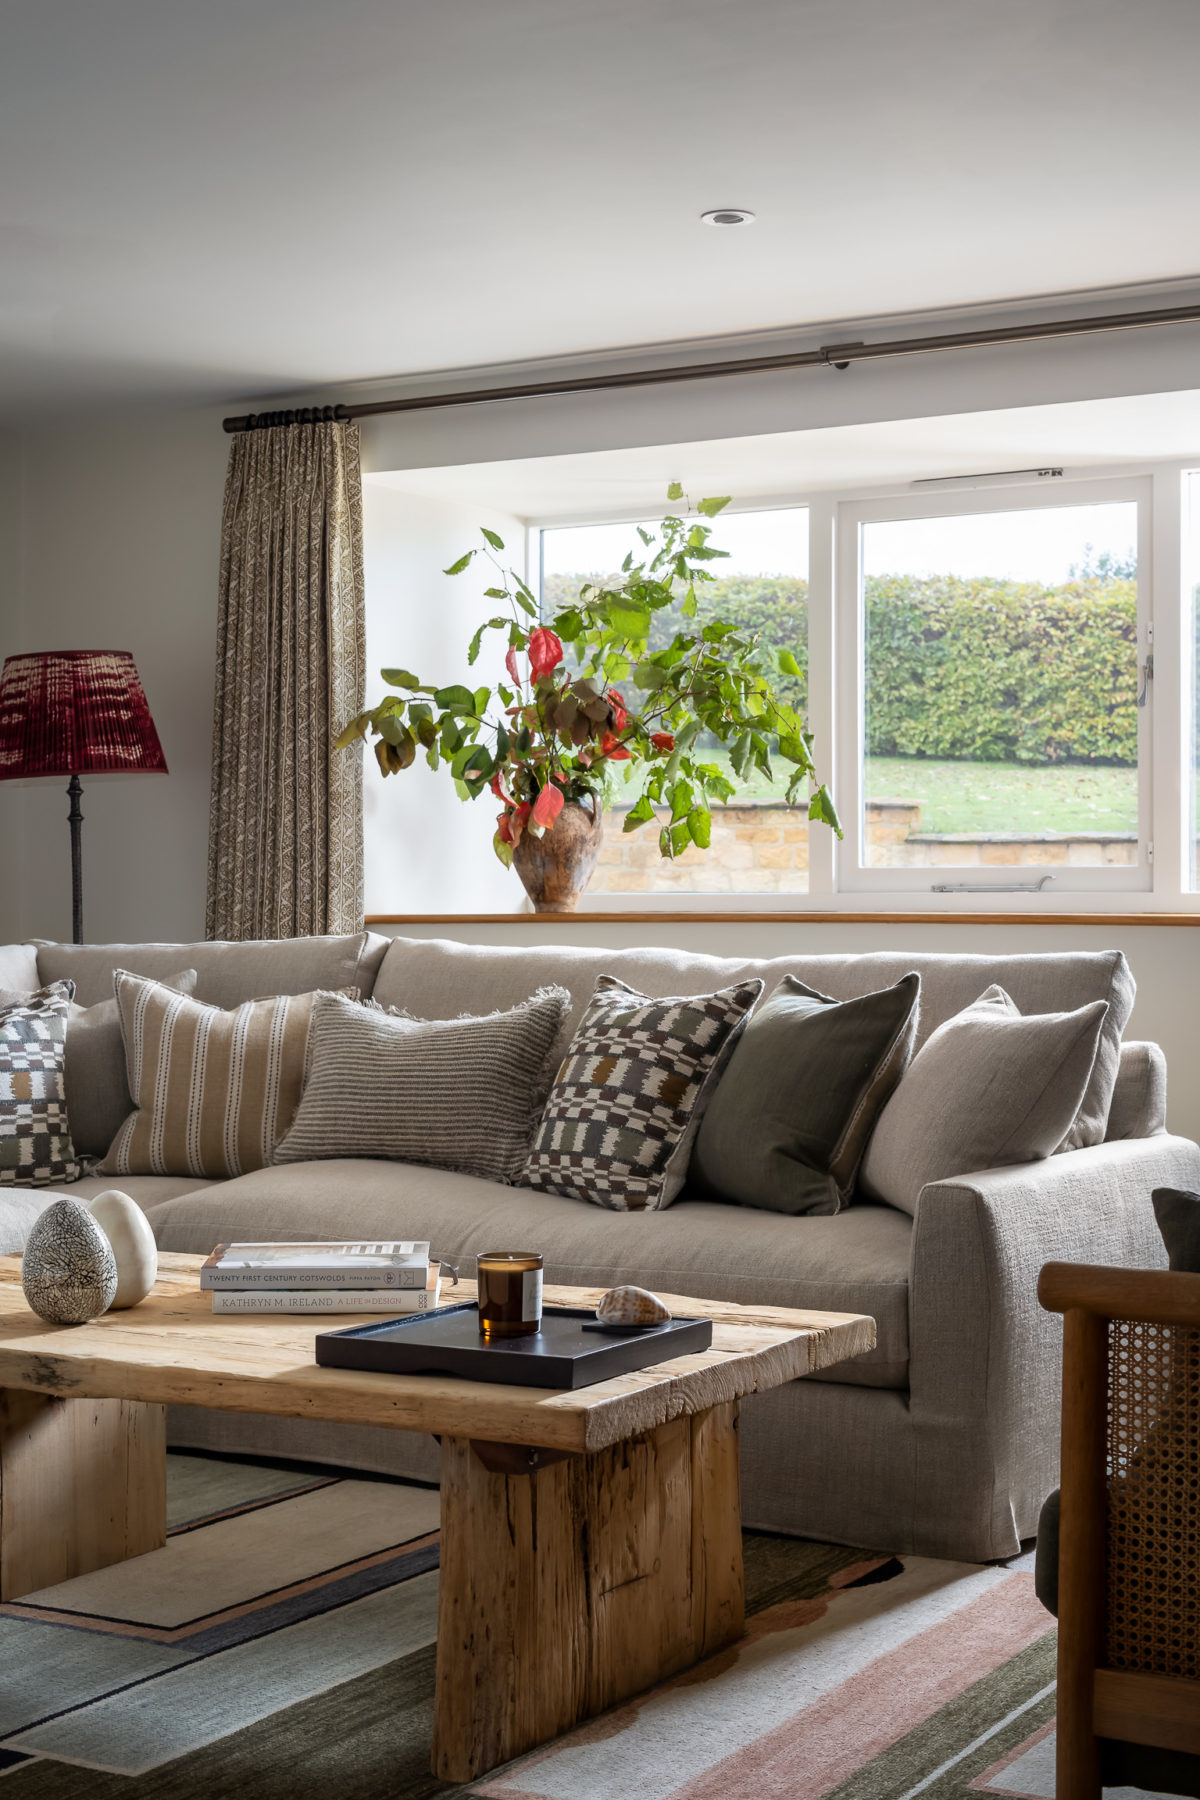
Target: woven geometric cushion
[[459, 1094], [627, 1100], [35, 1136], [213, 1091]]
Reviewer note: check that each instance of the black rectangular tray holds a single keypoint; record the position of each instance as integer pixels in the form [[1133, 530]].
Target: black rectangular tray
[[560, 1355]]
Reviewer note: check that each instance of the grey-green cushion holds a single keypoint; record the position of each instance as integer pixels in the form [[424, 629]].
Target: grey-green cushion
[[992, 1086], [1178, 1213], [791, 1115]]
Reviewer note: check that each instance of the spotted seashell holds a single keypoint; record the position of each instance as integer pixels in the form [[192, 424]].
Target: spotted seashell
[[631, 1306], [68, 1272]]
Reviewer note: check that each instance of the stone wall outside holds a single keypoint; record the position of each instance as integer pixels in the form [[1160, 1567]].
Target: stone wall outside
[[762, 848]]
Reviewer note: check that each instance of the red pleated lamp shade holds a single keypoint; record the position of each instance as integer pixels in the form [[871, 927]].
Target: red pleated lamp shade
[[75, 712]]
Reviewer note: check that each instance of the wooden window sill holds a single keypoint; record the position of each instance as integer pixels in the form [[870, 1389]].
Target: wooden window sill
[[729, 917]]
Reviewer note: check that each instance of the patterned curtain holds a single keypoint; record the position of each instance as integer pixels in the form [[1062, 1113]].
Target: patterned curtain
[[285, 856]]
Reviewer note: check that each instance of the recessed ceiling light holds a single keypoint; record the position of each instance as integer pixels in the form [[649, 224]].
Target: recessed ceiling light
[[728, 215]]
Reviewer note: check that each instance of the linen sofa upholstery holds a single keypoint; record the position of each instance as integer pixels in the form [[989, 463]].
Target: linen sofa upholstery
[[856, 1261], [1139, 1102], [941, 1441], [226, 973]]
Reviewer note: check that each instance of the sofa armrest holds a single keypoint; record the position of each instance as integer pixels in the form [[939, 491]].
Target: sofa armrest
[[19, 1207], [1139, 1102], [984, 1359]]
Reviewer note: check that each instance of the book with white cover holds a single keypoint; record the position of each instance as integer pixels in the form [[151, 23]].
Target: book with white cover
[[392, 1263], [330, 1300]]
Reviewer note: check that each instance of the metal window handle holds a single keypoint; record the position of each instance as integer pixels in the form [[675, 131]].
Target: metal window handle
[[991, 887], [1147, 678]]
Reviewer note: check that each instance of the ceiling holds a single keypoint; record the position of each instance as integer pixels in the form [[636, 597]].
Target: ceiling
[[777, 466], [235, 198]]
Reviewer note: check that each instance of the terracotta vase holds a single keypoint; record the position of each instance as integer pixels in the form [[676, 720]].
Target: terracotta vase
[[556, 867]]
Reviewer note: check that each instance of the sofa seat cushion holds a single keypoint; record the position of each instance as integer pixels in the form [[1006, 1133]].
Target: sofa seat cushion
[[20, 1206], [436, 978], [855, 1261]]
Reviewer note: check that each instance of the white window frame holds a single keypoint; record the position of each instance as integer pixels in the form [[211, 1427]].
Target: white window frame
[[853, 874], [1159, 885]]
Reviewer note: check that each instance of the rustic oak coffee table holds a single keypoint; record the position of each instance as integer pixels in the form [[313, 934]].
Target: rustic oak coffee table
[[591, 1541]]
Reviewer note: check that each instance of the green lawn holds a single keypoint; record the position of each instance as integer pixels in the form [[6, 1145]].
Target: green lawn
[[981, 796]]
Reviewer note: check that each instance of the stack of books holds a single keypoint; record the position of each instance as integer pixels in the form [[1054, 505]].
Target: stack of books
[[393, 1277]]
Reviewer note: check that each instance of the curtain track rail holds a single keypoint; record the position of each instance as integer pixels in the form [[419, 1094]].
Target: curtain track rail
[[829, 356]]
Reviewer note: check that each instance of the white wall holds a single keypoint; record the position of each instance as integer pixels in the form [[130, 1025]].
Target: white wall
[[120, 534], [427, 850]]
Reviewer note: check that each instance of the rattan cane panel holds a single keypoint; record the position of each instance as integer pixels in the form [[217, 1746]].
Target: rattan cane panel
[[1153, 1600]]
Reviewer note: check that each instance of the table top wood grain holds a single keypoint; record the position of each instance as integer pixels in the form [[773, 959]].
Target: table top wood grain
[[172, 1348]]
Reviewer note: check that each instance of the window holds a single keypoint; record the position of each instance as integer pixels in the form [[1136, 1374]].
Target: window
[[1191, 614], [759, 845], [999, 706]]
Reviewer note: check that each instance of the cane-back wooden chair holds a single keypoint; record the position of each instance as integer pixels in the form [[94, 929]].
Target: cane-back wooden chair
[[1129, 1544]]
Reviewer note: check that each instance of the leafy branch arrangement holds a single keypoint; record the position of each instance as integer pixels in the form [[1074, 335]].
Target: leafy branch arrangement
[[555, 734]]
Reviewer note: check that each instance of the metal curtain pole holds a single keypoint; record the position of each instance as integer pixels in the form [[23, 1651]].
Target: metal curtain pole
[[829, 356], [75, 821]]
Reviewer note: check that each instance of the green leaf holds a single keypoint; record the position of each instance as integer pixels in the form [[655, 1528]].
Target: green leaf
[[822, 809], [482, 698], [699, 824], [742, 754], [688, 608], [710, 508], [526, 605], [455, 699], [464, 562], [681, 837], [493, 538], [399, 678], [640, 813], [650, 676], [473, 649], [786, 663], [675, 491], [630, 622], [503, 849], [682, 796]]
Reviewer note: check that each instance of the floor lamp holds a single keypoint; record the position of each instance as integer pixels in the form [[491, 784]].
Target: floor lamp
[[75, 712]]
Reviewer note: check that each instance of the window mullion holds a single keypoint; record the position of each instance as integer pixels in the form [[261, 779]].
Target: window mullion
[[1167, 717], [822, 680]]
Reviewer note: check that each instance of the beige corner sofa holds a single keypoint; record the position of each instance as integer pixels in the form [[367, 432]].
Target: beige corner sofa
[[943, 1440]]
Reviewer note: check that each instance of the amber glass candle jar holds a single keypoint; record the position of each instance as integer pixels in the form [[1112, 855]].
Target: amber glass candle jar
[[510, 1293]]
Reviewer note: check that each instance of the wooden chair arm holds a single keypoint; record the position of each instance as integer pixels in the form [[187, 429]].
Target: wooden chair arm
[[1159, 1296]]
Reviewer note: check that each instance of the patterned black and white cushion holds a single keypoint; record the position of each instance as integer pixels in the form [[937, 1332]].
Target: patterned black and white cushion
[[35, 1136], [628, 1098]]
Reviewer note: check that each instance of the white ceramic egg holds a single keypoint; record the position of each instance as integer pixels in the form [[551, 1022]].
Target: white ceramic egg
[[128, 1231]]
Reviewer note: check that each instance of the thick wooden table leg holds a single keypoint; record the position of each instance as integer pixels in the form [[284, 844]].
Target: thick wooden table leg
[[83, 1483], [571, 1588]]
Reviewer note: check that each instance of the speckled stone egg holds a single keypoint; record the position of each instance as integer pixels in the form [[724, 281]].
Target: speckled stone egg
[[68, 1272]]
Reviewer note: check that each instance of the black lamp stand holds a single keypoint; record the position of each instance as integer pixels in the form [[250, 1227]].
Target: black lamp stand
[[75, 821]]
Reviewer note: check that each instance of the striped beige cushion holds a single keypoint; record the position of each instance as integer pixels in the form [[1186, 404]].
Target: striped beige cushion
[[213, 1091], [455, 1093]]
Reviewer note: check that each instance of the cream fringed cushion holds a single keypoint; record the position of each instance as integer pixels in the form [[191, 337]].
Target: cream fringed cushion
[[213, 1091]]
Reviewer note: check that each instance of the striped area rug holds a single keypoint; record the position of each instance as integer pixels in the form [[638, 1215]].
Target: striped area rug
[[281, 1645]]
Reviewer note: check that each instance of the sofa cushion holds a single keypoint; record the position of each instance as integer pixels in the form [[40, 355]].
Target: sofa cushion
[[856, 1261], [790, 1118], [226, 974], [459, 1093], [991, 1087], [436, 978], [35, 1132], [627, 1100], [213, 1089]]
